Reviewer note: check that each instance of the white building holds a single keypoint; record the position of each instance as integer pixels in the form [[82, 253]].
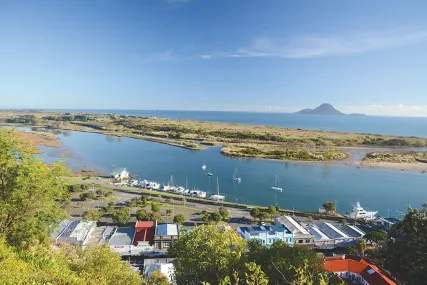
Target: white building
[[119, 173]]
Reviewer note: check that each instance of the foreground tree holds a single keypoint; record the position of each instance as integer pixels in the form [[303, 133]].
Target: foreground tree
[[42, 264], [158, 278], [289, 265], [405, 254], [207, 255], [28, 190], [271, 211]]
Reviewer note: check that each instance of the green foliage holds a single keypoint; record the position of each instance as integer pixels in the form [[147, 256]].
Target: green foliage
[[42, 264], [74, 188], [287, 265], [99, 192], [108, 194], [143, 215], [211, 218], [179, 219], [155, 208], [87, 196], [361, 247], [376, 237], [224, 213], [169, 212], [134, 202], [29, 188], [144, 200], [92, 215], [329, 207], [207, 255], [255, 213], [121, 216], [158, 278], [254, 275], [404, 255], [271, 211]]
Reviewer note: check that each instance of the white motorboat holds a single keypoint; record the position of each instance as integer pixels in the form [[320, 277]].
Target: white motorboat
[[217, 197], [360, 213], [276, 186], [204, 166]]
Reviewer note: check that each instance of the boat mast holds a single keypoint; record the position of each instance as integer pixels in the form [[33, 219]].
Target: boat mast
[[217, 185], [186, 182]]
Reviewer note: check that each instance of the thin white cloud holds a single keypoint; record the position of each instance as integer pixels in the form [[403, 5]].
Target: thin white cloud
[[315, 46]]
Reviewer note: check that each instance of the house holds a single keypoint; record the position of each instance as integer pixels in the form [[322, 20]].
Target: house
[[74, 232], [302, 236], [388, 222], [357, 270], [119, 173], [267, 235], [164, 236]]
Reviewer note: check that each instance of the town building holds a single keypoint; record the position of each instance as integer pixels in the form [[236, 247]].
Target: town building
[[388, 222], [341, 235], [267, 235], [321, 240], [143, 239], [357, 270], [119, 173], [121, 241], [164, 236], [73, 232], [134, 241], [302, 236]]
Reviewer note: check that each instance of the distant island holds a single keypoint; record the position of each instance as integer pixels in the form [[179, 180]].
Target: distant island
[[325, 109]]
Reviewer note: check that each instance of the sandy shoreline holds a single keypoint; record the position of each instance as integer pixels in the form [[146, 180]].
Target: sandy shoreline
[[413, 167]]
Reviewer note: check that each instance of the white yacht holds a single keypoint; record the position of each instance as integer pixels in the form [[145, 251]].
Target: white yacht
[[204, 166], [209, 173], [217, 197], [360, 213], [276, 186], [236, 176]]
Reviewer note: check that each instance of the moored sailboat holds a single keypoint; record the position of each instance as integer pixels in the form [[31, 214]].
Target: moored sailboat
[[236, 176], [217, 197], [276, 186]]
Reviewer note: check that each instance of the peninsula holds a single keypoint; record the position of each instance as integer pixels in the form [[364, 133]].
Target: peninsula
[[238, 140]]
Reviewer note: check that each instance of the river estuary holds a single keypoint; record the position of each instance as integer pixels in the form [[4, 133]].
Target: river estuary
[[305, 185]]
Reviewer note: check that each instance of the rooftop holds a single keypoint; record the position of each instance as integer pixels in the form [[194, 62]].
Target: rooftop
[[318, 234], [298, 230], [143, 232], [76, 231], [258, 229], [167, 230], [371, 273], [61, 227], [331, 231], [122, 236], [352, 231]]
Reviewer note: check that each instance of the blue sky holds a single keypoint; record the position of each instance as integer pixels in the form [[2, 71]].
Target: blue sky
[[248, 55]]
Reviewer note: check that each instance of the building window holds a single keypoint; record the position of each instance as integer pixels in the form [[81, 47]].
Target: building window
[[307, 241], [166, 244], [300, 241]]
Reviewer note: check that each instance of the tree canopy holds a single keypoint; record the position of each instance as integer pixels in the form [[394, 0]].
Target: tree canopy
[[29, 189], [121, 216], [405, 254], [330, 207], [207, 255], [179, 219]]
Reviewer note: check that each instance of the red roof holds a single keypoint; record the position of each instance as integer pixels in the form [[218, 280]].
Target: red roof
[[371, 273], [143, 224], [144, 231]]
